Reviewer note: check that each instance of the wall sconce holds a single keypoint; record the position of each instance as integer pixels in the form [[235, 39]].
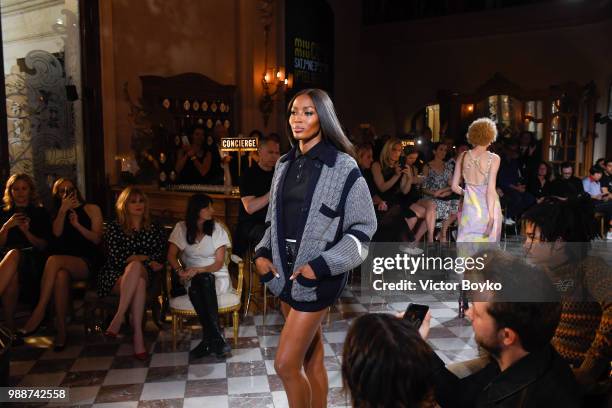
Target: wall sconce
[[470, 108], [274, 80]]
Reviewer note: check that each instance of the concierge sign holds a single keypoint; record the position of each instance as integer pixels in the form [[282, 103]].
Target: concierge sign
[[243, 144]]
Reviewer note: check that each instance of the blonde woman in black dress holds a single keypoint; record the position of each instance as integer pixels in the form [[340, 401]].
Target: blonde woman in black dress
[[135, 254]]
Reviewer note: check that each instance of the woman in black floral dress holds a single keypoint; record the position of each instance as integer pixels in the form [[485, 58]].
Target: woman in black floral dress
[[135, 253]]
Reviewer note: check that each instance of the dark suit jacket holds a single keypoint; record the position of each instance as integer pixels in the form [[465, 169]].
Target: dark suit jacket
[[540, 379]]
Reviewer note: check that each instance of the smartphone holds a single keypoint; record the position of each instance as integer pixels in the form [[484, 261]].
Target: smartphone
[[402, 161], [415, 314], [185, 140], [68, 192]]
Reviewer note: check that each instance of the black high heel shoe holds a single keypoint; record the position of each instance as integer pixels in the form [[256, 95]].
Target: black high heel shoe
[[23, 334]]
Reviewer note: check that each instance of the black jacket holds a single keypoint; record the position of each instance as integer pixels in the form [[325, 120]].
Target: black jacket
[[540, 379]]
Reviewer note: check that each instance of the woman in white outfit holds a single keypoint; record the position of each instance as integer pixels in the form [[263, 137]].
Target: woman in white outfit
[[200, 243]]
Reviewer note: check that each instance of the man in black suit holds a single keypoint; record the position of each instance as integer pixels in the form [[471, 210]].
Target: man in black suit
[[566, 186]]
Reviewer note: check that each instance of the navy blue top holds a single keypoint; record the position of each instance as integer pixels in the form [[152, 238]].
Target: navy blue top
[[303, 169]]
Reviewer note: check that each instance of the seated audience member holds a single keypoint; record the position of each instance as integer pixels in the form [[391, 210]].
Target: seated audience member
[[566, 186], [200, 243], [601, 201], [386, 363], [455, 153], [530, 152], [606, 178], [436, 187], [77, 231], [514, 196], [537, 182], [557, 239], [525, 370], [135, 257], [365, 159], [255, 186], [24, 234], [194, 160], [397, 187]]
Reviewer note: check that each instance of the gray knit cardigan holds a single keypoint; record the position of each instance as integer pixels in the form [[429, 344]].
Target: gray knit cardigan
[[339, 226]]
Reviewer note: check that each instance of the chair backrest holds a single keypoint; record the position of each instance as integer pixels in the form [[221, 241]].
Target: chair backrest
[[228, 258]]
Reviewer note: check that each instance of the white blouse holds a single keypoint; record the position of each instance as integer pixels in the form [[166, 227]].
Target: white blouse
[[202, 253]]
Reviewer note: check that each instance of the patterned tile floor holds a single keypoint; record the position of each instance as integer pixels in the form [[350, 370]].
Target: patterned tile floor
[[102, 373]]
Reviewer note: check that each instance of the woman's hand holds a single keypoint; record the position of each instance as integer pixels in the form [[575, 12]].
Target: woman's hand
[[69, 202], [398, 169], [382, 206], [188, 273], [425, 325], [74, 219], [156, 266], [407, 172], [24, 224], [264, 265], [15, 220], [304, 270]]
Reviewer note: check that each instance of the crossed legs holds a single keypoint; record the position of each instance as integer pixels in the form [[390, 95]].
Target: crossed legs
[[132, 289], [299, 359], [426, 210], [58, 272], [9, 285]]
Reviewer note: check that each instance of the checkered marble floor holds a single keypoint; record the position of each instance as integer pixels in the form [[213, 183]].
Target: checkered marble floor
[[102, 373]]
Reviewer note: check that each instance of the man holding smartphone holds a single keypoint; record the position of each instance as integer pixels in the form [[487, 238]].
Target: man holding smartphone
[[524, 369]]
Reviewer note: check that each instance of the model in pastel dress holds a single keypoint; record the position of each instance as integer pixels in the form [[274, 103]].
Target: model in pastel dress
[[480, 219]]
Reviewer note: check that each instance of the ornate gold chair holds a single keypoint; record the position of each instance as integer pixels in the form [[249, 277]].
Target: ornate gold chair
[[181, 307]]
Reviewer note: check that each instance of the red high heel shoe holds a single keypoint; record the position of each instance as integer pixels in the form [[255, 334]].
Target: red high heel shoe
[[110, 334], [141, 356]]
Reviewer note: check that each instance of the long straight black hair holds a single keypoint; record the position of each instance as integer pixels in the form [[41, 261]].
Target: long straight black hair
[[331, 130], [196, 203]]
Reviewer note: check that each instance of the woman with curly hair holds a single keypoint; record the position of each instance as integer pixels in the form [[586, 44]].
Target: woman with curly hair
[[481, 217]]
